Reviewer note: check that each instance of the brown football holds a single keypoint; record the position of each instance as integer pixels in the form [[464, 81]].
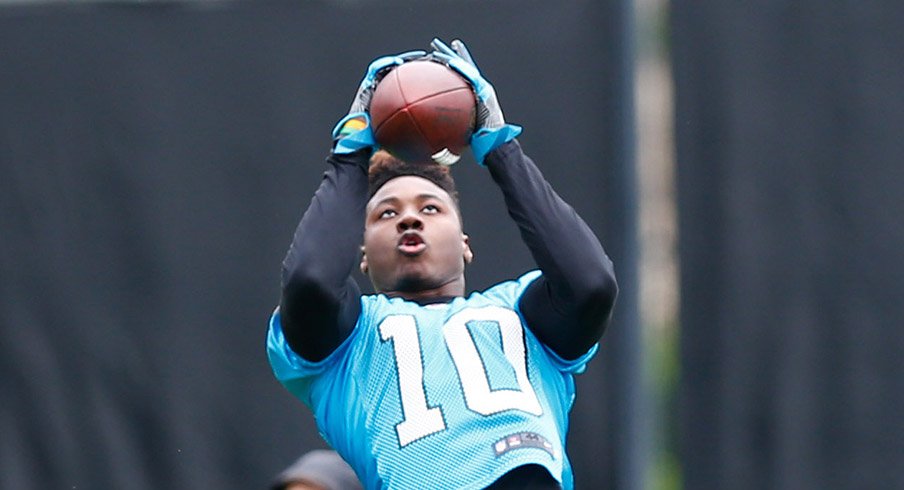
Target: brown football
[[423, 111]]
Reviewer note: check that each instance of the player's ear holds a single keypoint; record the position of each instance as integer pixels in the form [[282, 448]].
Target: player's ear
[[468, 254], [363, 264]]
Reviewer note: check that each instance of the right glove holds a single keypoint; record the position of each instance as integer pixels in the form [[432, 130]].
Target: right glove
[[491, 131], [353, 132]]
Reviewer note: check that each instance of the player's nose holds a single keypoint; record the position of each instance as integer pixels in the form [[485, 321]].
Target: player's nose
[[409, 220]]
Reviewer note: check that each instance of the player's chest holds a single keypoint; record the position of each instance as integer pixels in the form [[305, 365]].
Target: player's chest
[[427, 363], [438, 334]]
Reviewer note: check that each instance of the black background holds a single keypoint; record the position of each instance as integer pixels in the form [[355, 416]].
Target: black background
[[790, 130]]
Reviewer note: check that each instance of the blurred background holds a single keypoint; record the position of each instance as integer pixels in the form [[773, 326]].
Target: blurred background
[[742, 165]]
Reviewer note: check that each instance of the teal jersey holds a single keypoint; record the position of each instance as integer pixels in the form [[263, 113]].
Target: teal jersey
[[450, 395]]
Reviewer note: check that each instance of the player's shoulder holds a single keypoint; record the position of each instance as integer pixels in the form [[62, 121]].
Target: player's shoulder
[[508, 291]]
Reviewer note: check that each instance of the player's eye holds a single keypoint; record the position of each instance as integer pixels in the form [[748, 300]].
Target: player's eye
[[431, 209], [387, 213]]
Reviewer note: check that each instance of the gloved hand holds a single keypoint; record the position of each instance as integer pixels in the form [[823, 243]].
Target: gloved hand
[[353, 132], [492, 130]]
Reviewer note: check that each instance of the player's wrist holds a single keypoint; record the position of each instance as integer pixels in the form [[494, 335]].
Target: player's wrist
[[486, 140], [491, 129], [352, 133]]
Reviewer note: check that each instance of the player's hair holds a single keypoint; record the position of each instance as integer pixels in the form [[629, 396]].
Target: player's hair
[[385, 167]]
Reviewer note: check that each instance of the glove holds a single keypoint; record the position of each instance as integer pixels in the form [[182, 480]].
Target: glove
[[353, 132], [491, 131]]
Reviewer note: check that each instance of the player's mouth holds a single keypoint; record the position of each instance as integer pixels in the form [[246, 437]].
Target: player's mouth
[[411, 244]]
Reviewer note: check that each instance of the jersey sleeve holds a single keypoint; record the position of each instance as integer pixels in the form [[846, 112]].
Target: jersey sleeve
[[573, 366], [512, 291], [294, 372]]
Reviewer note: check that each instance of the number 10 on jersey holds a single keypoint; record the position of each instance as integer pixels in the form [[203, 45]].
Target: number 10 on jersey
[[419, 419]]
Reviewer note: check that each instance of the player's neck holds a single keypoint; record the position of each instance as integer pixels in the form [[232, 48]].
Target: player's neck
[[443, 293]]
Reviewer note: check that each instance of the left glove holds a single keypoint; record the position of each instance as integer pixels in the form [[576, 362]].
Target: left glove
[[491, 131], [353, 132]]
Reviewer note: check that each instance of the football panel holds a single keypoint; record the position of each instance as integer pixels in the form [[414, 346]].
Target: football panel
[[387, 100], [446, 120], [420, 79], [403, 138]]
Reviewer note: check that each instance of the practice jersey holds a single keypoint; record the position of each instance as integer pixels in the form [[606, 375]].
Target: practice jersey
[[450, 395]]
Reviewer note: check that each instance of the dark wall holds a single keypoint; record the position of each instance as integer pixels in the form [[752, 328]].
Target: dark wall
[[155, 159], [789, 126]]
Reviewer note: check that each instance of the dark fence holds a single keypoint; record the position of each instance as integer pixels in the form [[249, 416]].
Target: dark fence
[[790, 127]]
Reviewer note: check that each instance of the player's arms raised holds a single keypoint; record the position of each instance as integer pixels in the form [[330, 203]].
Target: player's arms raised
[[569, 306], [320, 300]]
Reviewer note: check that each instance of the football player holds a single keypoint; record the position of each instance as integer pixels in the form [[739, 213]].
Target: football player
[[424, 385]]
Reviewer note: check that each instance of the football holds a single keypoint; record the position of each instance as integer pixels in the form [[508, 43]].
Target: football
[[423, 112]]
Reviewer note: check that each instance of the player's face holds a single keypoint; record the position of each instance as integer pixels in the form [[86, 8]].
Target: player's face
[[413, 241]]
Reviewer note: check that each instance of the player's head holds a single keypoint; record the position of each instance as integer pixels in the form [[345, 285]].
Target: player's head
[[385, 167], [413, 238]]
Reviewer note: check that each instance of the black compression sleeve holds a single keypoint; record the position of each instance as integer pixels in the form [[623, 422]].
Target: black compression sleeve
[[569, 305], [320, 300]]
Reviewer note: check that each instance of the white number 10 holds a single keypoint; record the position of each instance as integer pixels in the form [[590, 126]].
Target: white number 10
[[420, 420]]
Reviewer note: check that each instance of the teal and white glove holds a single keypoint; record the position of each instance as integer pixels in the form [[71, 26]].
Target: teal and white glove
[[353, 132], [491, 131]]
